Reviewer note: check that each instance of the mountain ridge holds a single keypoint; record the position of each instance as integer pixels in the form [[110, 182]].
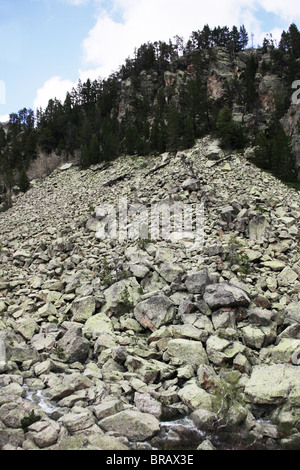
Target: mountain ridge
[[163, 99]]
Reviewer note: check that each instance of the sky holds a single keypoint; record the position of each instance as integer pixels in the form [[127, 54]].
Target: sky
[[48, 45]]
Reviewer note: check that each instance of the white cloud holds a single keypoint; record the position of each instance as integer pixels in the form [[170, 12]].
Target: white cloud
[[126, 24], [287, 10], [55, 87], [111, 41], [76, 2], [4, 117]]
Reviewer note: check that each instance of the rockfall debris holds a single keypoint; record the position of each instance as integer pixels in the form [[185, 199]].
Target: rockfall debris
[[135, 343]]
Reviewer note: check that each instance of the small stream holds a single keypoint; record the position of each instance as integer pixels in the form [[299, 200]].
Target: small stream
[[179, 434], [37, 397]]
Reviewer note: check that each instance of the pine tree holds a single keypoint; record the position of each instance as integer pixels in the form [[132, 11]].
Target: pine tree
[[188, 139], [249, 80], [23, 181], [262, 154], [230, 133], [94, 151], [282, 159], [174, 127]]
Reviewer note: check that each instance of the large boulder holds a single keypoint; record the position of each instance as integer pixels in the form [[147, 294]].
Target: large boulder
[[73, 346], [184, 351], [133, 424], [195, 397], [83, 309], [121, 297], [155, 312], [98, 324], [274, 384], [225, 295], [197, 282]]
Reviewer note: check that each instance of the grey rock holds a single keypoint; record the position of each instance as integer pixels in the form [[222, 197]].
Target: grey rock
[[225, 295], [183, 351], [197, 282], [191, 184], [155, 312], [83, 309], [73, 346], [135, 425], [274, 384]]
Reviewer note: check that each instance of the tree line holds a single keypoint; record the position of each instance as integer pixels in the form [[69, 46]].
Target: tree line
[[87, 123]]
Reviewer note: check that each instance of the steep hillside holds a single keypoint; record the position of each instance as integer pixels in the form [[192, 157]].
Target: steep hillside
[[162, 100], [112, 340]]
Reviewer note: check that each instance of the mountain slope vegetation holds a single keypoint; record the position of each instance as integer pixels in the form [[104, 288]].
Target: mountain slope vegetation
[[163, 99]]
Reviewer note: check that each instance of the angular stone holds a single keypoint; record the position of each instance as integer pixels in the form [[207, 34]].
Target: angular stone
[[12, 414], [97, 324], [60, 387], [204, 419], [147, 404], [133, 424], [286, 351], [223, 318], [183, 351], [258, 227], [155, 312], [191, 184], [83, 309], [292, 313], [275, 265], [107, 408], [197, 282], [170, 272], [195, 398], [47, 310], [287, 277], [225, 295], [74, 347], [27, 327], [44, 433], [138, 270], [253, 336], [121, 297], [261, 316], [221, 351], [273, 384], [77, 422]]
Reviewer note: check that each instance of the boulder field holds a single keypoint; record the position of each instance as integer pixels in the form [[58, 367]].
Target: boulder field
[[116, 339]]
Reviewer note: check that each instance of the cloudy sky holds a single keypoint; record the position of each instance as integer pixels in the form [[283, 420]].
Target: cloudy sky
[[47, 45]]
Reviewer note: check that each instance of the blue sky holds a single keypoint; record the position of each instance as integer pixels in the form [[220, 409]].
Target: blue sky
[[47, 45]]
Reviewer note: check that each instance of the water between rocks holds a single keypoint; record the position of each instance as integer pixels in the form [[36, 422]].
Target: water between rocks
[[179, 434]]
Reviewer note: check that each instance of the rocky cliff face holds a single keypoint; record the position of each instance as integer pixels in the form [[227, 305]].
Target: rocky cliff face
[[105, 339], [225, 77]]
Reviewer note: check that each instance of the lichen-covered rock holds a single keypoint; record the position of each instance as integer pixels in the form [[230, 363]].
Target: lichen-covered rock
[[132, 423], [197, 282], [195, 397], [73, 346], [155, 312], [97, 324], [184, 351], [274, 384], [225, 295], [83, 309]]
